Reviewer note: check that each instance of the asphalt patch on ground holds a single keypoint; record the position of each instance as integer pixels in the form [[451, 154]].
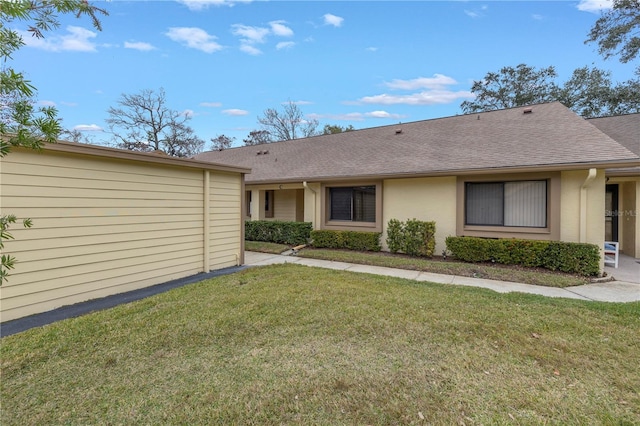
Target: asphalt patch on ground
[[71, 311]]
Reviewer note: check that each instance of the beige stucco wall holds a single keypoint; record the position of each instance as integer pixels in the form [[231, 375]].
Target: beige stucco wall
[[628, 219], [572, 203], [103, 226], [582, 210], [427, 199], [628, 225]]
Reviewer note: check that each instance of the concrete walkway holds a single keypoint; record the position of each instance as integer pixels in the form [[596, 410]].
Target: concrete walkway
[[613, 291]]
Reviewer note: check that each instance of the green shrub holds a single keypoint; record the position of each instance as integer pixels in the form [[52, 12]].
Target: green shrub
[[277, 231], [395, 235], [413, 237], [583, 259], [469, 249], [578, 258], [352, 240]]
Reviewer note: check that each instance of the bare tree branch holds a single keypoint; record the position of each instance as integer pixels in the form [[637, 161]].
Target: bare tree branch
[[143, 122], [288, 124]]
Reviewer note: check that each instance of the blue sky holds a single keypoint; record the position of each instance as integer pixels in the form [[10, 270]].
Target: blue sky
[[360, 63]]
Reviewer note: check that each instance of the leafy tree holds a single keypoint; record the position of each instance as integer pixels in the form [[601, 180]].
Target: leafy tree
[[257, 137], [143, 122], [221, 142], [617, 31], [287, 124], [511, 87], [21, 123], [626, 97], [589, 92], [332, 129]]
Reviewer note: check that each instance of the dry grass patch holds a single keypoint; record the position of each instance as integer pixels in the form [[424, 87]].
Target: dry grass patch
[[293, 344]]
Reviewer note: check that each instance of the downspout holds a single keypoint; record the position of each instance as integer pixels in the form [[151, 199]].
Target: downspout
[[583, 204], [304, 184]]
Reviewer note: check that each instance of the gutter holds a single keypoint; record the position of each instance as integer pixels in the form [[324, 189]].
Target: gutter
[[583, 203], [543, 168]]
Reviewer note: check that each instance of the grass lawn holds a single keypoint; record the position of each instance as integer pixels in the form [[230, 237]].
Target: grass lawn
[[265, 247], [537, 276], [293, 344]]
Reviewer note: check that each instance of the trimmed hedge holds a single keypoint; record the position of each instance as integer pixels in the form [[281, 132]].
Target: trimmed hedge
[[578, 258], [352, 240], [277, 231], [413, 237]]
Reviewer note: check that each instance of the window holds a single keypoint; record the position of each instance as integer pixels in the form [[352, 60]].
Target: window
[[355, 204], [517, 204], [268, 204], [248, 202]]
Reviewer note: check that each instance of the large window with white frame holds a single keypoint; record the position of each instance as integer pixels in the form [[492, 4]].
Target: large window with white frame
[[509, 204]]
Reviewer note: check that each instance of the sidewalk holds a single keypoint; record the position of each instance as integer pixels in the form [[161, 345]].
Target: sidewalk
[[614, 291]]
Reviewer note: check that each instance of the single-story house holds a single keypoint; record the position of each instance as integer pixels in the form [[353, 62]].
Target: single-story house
[[622, 185], [106, 221], [536, 172]]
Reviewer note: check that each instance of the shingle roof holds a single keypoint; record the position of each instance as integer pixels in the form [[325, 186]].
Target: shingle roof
[[624, 129], [550, 135]]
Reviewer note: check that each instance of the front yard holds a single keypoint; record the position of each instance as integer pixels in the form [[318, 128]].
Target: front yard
[[536, 276], [294, 344]]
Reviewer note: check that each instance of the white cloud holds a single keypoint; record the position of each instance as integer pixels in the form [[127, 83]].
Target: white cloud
[[251, 50], [371, 49], [250, 34], [211, 104], [594, 6], [381, 114], [436, 82], [45, 103], [297, 103], [334, 20], [188, 113], [280, 29], [422, 98], [430, 91], [77, 40], [537, 17], [139, 45], [477, 13], [88, 128], [235, 112], [285, 45], [197, 5], [194, 38], [356, 116], [471, 13], [69, 104]]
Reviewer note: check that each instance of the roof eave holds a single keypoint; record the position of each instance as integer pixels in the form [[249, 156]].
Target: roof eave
[[102, 151], [458, 172]]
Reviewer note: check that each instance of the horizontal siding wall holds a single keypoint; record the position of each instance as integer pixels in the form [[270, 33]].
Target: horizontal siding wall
[[225, 190], [284, 205], [104, 226]]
